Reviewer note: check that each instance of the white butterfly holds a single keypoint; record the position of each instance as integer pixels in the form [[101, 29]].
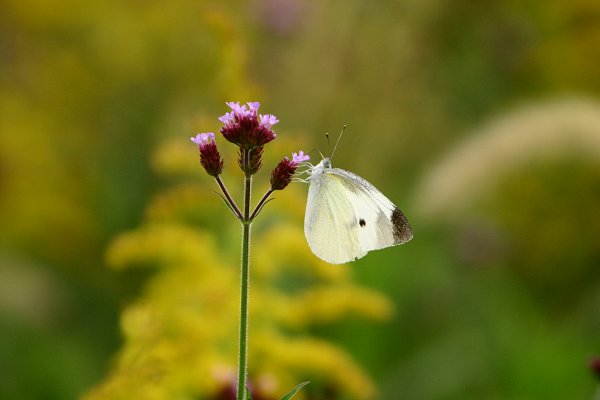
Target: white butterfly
[[346, 216]]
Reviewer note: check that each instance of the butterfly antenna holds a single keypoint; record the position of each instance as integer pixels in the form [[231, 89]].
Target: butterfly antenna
[[317, 150], [337, 141]]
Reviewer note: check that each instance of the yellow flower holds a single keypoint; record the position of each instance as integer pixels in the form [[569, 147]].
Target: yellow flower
[[181, 332]]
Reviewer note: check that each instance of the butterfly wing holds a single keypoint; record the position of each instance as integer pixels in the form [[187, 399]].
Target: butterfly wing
[[379, 222], [329, 220], [346, 217]]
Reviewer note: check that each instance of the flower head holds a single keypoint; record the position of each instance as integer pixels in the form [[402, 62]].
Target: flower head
[[244, 127], [284, 171], [209, 154]]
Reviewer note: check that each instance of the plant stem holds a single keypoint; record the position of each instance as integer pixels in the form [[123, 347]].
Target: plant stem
[[243, 347], [260, 204], [245, 286], [232, 204]]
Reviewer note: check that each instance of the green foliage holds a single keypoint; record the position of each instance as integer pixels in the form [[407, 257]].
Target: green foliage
[[180, 334], [497, 296], [86, 89], [294, 391]]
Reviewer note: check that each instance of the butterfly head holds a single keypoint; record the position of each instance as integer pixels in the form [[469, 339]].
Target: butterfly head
[[316, 170]]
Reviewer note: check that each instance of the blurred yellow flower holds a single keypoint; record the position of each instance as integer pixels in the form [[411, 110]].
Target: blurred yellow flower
[[180, 334]]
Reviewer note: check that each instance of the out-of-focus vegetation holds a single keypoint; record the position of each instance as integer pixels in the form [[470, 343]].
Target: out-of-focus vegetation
[[480, 119], [178, 334]]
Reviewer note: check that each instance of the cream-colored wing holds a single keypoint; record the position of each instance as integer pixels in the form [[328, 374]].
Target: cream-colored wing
[[330, 221], [379, 222]]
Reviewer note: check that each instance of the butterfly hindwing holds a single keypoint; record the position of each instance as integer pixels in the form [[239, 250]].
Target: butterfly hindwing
[[380, 223]]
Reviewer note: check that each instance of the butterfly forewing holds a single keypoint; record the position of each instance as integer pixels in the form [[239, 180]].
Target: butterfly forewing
[[329, 221]]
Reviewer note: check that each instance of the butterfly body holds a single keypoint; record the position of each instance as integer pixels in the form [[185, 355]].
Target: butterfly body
[[346, 216]]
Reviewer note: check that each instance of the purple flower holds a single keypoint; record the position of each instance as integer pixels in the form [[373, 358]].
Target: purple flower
[[226, 118], [268, 120], [236, 108], [209, 154], [283, 173], [299, 157], [245, 128], [253, 105], [202, 139]]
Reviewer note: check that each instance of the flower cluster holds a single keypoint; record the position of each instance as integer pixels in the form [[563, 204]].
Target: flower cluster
[[284, 171], [250, 131], [209, 155], [245, 127], [191, 271]]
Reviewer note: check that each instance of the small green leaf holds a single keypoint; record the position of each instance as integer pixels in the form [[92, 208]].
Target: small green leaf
[[248, 393], [294, 391]]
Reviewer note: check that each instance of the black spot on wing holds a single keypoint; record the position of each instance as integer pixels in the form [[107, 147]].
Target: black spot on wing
[[362, 223], [402, 229]]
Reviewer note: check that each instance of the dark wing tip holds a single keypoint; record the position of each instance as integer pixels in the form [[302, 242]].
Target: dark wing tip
[[402, 230]]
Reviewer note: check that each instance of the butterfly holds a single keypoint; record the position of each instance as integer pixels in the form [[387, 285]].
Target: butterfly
[[346, 216]]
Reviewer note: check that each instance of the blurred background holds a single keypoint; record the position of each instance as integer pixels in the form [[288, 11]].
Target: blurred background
[[118, 264]]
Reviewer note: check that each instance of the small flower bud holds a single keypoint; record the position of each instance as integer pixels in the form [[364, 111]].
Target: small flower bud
[[244, 127], [284, 171], [254, 160], [209, 154]]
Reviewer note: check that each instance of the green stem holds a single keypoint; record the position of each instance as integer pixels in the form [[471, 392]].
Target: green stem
[[243, 348], [232, 204], [245, 283], [260, 204]]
